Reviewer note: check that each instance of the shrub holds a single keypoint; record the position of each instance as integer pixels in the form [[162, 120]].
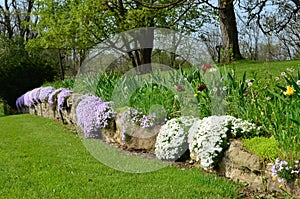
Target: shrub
[[209, 137], [19, 102], [53, 96], [31, 97], [284, 171], [93, 114], [171, 141], [45, 92], [133, 117], [61, 98], [265, 148]]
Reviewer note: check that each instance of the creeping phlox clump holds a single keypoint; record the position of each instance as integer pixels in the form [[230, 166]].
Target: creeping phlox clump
[[40, 95], [171, 141], [93, 114], [31, 97], [283, 171], [133, 117], [61, 98], [45, 92], [208, 137], [52, 98]]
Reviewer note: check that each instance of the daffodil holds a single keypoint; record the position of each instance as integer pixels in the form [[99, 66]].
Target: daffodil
[[289, 91]]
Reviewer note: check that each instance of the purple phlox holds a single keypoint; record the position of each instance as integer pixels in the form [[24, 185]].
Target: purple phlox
[[62, 96], [27, 99], [20, 102], [53, 96], [45, 92], [34, 95], [93, 114]]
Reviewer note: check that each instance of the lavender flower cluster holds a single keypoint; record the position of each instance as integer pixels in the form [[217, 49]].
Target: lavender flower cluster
[[52, 98], [43, 95], [138, 118], [45, 92], [31, 97], [283, 171], [133, 117], [61, 98], [93, 114]]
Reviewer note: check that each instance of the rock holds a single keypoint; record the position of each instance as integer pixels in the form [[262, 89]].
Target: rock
[[292, 187], [240, 165], [137, 137], [109, 132]]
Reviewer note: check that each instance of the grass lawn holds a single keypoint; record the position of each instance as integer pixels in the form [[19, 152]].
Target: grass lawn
[[40, 158], [262, 69]]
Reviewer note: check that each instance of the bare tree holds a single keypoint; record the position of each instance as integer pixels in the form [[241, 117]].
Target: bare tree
[[15, 18], [271, 15]]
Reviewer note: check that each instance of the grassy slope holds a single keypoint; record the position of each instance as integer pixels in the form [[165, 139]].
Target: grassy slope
[[42, 159], [263, 69]]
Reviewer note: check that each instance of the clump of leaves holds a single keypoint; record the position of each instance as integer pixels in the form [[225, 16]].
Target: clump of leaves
[[265, 148]]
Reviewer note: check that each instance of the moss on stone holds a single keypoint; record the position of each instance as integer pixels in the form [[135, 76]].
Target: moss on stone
[[265, 148]]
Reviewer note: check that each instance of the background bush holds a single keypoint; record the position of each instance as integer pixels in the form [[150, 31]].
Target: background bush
[[21, 71]]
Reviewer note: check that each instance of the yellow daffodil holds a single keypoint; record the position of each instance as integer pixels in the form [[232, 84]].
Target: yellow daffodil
[[289, 91]]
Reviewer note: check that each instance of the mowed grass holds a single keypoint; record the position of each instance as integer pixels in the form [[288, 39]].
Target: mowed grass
[[260, 70], [40, 158]]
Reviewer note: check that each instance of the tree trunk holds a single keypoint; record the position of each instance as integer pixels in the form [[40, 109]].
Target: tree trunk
[[229, 29], [62, 70], [143, 55]]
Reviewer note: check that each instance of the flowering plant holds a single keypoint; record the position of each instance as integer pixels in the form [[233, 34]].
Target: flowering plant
[[133, 117], [209, 137], [28, 101], [138, 118], [52, 98], [61, 98], [45, 92], [289, 90], [171, 141], [20, 102], [283, 171], [34, 95], [93, 114]]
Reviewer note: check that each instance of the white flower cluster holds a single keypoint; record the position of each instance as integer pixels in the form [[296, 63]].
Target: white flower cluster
[[208, 137], [238, 127], [171, 141]]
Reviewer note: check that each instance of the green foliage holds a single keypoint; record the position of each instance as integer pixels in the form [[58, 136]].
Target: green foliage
[[261, 100], [102, 84], [265, 148], [53, 163], [68, 82], [82, 24], [1, 108], [22, 71], [286, 115], [153, 94]]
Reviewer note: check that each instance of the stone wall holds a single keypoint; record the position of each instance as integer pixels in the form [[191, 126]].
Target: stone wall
[[237, 164], [138, 138]]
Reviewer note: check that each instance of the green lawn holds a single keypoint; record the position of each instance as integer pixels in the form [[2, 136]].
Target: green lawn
[[262, 69], [40, 158]]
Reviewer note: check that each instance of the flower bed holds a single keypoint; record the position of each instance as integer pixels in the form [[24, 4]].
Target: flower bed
[[207, 140]]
